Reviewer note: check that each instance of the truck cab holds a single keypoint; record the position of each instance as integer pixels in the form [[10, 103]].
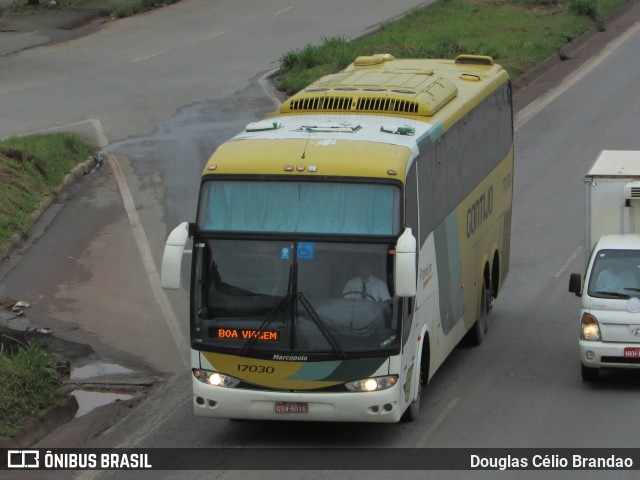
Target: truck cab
[[610, 314]]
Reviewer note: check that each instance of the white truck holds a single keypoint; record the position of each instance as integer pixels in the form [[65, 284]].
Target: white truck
[[610, 317]]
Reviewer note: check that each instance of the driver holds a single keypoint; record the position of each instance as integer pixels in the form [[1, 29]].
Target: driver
[[366, 286]]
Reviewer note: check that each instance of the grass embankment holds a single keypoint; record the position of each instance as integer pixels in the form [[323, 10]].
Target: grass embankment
[[518, 34], [31, 168], [30, 383]]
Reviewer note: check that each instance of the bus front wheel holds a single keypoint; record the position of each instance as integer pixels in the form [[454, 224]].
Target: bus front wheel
[[412, 412]]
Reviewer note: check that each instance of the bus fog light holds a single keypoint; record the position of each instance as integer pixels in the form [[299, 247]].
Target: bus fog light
[[372, 384], [215, 378], [589, 355]]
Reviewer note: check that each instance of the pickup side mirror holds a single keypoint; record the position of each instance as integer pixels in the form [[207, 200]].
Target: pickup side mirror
[[575, 284], [405, 265], [172, 258]]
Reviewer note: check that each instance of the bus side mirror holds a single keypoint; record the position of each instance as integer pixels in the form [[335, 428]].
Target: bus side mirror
[[172, 258], [405, 265], [575, 284]]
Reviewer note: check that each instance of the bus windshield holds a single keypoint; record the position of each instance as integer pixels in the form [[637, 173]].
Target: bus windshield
[[284, 297], [299, 207]]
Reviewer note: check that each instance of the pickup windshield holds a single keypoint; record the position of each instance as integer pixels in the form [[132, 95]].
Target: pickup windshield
[[615, 274], [294, 297]]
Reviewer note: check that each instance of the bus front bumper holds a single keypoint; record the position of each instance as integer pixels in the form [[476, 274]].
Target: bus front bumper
[[213, 401]]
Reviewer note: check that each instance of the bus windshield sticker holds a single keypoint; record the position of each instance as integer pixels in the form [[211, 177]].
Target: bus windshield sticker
[[305, 251]]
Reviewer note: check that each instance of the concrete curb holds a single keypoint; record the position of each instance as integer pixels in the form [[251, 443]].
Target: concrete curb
[[47, 421]]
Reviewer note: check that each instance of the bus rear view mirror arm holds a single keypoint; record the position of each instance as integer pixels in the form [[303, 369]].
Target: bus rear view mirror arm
[[172, 258], [405, 265]]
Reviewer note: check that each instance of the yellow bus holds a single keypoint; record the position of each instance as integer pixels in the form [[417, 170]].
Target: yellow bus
[[344, 245]]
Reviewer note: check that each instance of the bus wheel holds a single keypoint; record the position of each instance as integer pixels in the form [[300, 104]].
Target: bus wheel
[[412, 412], [475, 336], [589, 374]]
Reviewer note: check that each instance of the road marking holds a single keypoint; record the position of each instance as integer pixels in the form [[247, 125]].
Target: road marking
[[217, 34], [438, 421], [535, 107], [569, 261], [142, 59], [284, 10], [142, 242]]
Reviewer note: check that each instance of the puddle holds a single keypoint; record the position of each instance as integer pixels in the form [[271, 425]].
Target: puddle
[[97, 369], [88, 401]]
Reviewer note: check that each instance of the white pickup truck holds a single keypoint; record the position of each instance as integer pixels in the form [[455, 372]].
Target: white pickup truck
[[610, 316]]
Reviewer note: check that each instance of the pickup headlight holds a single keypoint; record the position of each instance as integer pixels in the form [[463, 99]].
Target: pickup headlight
[[215, 378], [590, 328], [372, 384]]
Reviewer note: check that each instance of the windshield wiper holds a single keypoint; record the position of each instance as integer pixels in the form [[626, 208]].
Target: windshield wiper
[[614, 294], [282, 305], [320, 324]]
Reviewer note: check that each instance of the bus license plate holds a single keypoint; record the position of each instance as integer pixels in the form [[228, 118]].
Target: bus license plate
[[632, 352], [292, 407]]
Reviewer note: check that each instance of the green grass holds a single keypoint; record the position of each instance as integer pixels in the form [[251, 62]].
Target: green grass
[[30, 170], [30, 382], [518, 34]]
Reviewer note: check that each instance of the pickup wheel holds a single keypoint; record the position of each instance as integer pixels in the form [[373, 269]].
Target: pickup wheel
[[589, 374]]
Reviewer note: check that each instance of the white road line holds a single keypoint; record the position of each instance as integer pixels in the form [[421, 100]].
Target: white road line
[[535, 107], [142, 59], [284, 10], [217, 34], [569, 261], [437, 422], [142, 242], [145, 251]]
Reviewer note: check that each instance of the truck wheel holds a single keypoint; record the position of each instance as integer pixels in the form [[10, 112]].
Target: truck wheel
[[589, 374]]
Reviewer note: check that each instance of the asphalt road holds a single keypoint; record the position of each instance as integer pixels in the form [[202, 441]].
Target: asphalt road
[[521, 388]]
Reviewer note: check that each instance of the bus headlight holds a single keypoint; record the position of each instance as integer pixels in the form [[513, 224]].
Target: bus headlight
[[372, 384], [590, 328], [215, 378]]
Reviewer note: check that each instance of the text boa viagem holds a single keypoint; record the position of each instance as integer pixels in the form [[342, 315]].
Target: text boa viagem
[[550, 462]]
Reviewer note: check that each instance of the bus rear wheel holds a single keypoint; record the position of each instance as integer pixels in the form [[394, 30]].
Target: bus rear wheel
[[475, 336]]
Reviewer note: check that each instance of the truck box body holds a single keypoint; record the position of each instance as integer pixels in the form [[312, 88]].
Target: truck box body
[[613, 195]]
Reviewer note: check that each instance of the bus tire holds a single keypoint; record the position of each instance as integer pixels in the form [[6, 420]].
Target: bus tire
[[412, 412], [475, 336]]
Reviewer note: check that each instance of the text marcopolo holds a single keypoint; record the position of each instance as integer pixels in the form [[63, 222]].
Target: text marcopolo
[[551, 461]]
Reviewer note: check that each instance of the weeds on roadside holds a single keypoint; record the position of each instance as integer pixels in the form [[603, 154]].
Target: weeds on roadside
[[30, 169], [518, 34], [30, 382]]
